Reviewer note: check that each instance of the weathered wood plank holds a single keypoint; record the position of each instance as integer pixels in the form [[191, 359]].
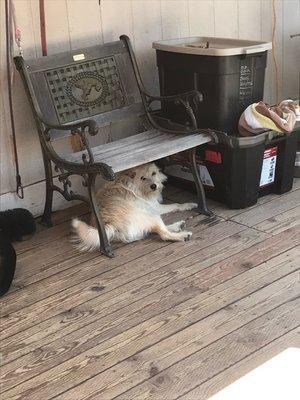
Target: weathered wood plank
[[211, 328], [281, 222], [188, 341], [142, 148], [31, 270], [264, 211], [139, 302], [61, 228], [57, 379], [151, 298], [223, 211], [232, 348], [112, 275], [42, 262], [136, 296], [239, 369]]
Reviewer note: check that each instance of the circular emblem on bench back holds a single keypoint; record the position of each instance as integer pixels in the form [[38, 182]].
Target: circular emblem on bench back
[[87, 89]]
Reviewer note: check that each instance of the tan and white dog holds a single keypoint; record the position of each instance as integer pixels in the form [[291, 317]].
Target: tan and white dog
[[131, 209]]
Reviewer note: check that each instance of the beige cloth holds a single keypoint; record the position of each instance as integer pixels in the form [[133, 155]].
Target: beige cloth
[[260, 117]]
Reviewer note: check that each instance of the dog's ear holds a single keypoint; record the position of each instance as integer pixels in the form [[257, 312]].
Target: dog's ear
[[131, 173]]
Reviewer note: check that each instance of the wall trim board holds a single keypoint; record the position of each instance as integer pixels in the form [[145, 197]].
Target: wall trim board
[[34, 198]]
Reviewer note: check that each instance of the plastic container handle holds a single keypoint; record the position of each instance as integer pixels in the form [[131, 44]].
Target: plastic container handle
[[254, 49]]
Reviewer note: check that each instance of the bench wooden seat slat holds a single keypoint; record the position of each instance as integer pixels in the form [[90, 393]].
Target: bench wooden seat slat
[[142, 148]]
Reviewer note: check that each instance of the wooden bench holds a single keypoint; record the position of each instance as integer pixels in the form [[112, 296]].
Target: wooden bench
[[84, 90]]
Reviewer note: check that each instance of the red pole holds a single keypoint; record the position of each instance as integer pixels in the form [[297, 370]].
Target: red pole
[[43, 27]]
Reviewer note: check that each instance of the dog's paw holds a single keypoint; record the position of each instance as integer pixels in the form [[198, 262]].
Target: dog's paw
[[186, 235], [177, 226], [181, 224], [188, 206]]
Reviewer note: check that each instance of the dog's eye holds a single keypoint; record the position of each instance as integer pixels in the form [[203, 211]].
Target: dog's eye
[[143, 178], [153, 173]]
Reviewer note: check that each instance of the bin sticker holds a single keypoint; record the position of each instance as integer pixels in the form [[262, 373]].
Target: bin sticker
[[185, 173], [205, 176], [268, 167]]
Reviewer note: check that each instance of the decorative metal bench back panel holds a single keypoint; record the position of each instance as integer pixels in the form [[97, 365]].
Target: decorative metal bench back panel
[[96, 82]]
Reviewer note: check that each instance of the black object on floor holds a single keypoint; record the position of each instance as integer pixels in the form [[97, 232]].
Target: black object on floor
[[7, 264], [17, 223], [14, 226]]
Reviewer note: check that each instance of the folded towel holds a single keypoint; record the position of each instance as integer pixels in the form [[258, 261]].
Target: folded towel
[[260, 117]]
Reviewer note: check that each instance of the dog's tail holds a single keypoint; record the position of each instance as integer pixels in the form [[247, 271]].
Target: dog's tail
[[87, 235]]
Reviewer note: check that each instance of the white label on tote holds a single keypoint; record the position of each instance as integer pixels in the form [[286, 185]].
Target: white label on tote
[[269, 166]]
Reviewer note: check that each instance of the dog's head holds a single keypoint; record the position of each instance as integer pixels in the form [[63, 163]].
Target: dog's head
[[146, 180]]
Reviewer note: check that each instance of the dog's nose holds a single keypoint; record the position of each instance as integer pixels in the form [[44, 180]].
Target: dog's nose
[[153, 186]]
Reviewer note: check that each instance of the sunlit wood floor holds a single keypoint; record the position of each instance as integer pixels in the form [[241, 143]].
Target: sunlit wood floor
[[160, 320]]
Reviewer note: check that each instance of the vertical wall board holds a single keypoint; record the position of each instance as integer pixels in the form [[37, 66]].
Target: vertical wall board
[[226, 18], [35, 17], [116, 18], [267, 27], [174, 19], [6, 164], [29, 152], [125, 128], [249, 19], [57, 26], [146, 29], [291, 49], [86, 31], [279, 47], [28, 147], [201, 18], [266, 15], [24, 20]]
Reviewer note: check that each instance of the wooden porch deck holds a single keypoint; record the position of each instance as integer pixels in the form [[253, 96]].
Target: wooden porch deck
[[159, 321]]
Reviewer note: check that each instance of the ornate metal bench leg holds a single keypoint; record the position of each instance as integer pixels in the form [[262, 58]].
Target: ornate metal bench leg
[[202, 205], [105, 246], [46, 217]]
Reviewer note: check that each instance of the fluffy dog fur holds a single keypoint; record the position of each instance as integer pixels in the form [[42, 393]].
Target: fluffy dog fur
[[131, 209]]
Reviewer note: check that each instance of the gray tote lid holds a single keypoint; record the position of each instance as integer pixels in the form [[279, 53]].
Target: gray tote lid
[[211, 46]]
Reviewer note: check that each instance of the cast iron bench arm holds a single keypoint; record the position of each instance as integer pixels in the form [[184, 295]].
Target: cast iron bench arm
[[88, 166], [181, 98]]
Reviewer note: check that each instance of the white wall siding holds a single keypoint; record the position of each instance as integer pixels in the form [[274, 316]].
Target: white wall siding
[[72, 24]]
